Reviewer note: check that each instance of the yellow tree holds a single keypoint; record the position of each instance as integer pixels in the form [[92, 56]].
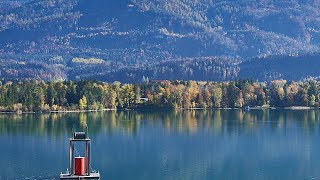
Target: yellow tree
[[83, 102]]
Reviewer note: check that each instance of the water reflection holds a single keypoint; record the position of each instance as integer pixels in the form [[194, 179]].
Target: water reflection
[[129, 122], [200, 144]]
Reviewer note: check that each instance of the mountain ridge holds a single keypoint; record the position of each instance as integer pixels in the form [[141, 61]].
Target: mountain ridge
[[140, 33]]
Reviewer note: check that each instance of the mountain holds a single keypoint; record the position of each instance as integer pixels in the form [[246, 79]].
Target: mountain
[[292, 67], [128, 39]]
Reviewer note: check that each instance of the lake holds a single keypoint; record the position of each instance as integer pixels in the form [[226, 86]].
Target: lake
[[201, 144]]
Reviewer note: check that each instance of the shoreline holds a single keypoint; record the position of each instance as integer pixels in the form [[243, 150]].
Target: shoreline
[[182, 109], [49, 112], [300, 107]]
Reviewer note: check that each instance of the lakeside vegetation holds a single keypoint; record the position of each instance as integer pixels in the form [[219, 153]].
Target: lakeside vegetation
[[40, 96]]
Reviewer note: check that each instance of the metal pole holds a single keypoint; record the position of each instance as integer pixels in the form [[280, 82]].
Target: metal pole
[[88, 156], [71, 157], [87, 162]]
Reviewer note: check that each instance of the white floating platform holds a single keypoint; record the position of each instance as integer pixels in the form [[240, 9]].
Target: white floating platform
[[91, 176]]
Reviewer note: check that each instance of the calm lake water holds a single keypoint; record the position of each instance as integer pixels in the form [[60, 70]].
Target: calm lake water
[[217, 144]]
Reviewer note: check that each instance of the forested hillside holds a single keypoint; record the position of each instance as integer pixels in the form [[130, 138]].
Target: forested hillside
[[175, 39], [292, 67]]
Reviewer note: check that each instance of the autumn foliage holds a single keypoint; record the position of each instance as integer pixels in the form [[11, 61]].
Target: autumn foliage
[[93, 95]]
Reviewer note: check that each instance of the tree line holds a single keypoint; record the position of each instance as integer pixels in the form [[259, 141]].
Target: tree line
[[41, 96]]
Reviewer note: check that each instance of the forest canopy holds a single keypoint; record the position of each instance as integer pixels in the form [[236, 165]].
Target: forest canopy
[[41, 96]]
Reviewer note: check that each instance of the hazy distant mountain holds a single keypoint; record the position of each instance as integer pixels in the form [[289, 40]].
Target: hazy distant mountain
[[45, 38]]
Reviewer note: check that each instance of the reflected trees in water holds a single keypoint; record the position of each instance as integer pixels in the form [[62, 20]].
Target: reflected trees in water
[[130, 122]]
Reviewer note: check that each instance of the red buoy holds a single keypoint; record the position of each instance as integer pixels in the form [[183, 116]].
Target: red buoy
[[79, 166]]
